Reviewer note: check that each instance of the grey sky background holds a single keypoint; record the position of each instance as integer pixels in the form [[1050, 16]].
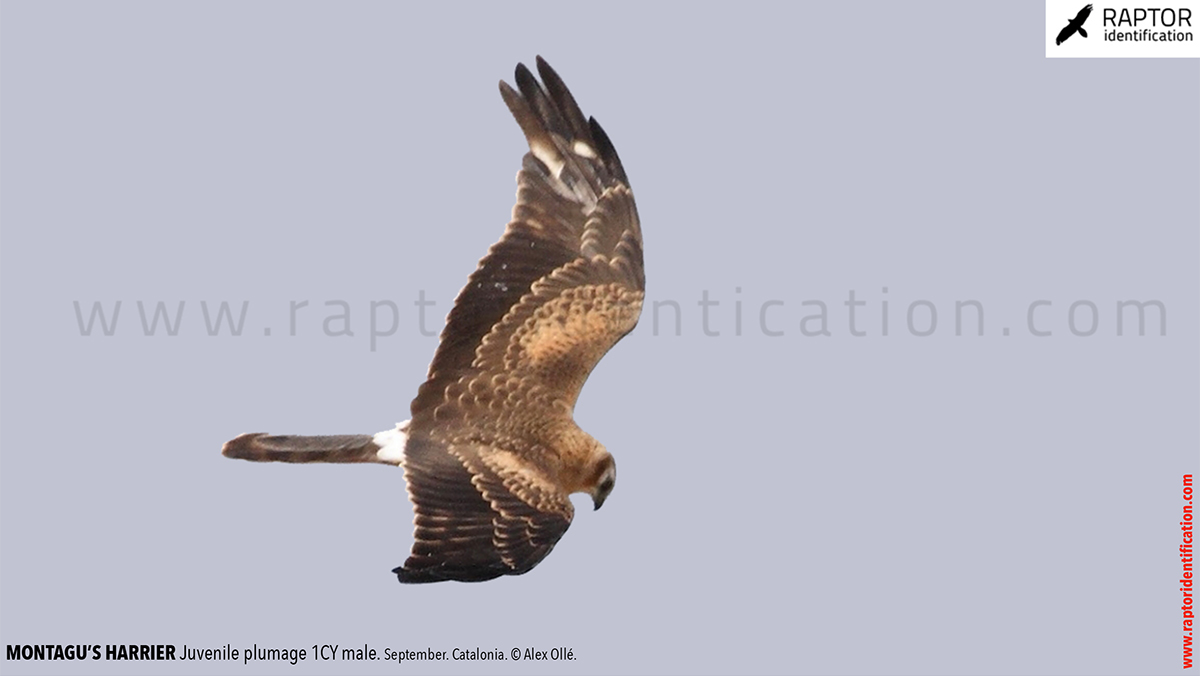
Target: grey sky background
[[785, 504]]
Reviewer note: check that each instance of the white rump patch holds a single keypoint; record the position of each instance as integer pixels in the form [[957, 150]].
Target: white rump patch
[[584, 150], [391, 444]]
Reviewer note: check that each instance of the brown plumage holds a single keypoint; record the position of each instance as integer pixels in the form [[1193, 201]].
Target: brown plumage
[[492, 451]]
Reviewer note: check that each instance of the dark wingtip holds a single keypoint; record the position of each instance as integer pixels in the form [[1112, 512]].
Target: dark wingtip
[[607, 150], [544, 68], [414, 576], [525, 80], [437, 574]]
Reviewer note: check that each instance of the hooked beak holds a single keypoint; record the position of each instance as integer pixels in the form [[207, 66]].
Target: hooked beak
[[597, 502]]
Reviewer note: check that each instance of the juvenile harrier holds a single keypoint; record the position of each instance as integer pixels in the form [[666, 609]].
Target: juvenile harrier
[[492, 453]]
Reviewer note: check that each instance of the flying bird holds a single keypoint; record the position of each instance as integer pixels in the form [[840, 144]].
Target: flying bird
[[1074, 25], [492, 452]]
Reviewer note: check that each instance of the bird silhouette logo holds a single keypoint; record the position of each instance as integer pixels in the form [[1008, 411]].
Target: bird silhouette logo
[[1075, 25]]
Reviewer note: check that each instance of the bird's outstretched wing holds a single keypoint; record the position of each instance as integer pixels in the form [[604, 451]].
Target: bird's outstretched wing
[[561, 287], [480, 512], [564, 283]]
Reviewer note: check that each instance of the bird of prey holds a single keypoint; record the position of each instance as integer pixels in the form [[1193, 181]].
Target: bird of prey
[[492, 452], [1074, 25]]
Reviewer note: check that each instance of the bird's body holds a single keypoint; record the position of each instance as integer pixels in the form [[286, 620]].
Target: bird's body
[[492, 451]]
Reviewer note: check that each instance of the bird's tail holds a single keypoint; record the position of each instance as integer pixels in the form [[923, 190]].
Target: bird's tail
[[1083, 32], [259, 447]]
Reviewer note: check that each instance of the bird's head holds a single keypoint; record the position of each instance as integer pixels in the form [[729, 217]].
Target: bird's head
[[603, 476]]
